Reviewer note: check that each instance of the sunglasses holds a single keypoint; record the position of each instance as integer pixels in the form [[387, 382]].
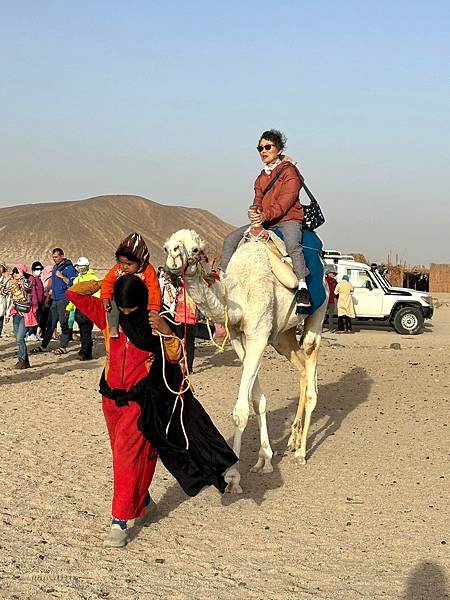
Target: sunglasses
[[266, 147]]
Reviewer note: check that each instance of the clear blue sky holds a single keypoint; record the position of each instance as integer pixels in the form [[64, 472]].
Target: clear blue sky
[[167, 100]]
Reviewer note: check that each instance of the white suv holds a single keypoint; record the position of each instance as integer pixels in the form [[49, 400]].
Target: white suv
[[375, 299]]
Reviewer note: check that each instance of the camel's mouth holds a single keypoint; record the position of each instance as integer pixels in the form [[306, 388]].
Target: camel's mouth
[[178, 262]]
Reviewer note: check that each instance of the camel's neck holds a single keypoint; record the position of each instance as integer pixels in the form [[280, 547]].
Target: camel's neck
[[208, 299]]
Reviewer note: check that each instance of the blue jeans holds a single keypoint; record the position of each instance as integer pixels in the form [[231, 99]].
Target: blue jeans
[[58, 313], [20, 331]]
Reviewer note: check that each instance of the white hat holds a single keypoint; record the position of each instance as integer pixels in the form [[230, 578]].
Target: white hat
[[82, 262]]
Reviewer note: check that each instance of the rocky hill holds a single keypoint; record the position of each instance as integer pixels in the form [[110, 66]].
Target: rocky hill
[[95, 226]]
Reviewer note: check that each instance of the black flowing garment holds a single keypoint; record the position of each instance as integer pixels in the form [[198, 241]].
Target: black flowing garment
[[203, 457]]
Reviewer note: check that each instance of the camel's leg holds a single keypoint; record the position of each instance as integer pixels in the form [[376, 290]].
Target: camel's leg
[[264, 463], [310, 346], [287, 345], [232, 475], [251, 356], [296, 428]]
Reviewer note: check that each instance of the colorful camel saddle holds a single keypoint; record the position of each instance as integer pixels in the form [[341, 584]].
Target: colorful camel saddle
[[282, 264]]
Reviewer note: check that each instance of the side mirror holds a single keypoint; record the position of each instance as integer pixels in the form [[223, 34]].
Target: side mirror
[[368, 285]]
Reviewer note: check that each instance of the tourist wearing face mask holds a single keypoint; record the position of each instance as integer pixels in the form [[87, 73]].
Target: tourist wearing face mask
[[38, 298], [85, 325], [19, 288]]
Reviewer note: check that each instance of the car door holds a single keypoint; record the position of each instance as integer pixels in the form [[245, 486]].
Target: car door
[[367, 296]]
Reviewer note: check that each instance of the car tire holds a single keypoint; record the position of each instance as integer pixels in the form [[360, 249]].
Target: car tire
[[408, 321]]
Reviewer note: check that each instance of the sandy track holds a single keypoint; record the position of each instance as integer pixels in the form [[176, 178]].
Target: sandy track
[[366, 518]]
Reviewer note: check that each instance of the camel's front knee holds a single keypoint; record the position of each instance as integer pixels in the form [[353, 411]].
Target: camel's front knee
[[240, 416]]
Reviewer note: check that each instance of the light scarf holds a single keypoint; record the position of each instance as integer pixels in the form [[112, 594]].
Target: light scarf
[[273, 165], [282, 158]]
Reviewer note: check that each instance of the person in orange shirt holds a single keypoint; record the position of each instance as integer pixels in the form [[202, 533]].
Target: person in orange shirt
[[132, 258]]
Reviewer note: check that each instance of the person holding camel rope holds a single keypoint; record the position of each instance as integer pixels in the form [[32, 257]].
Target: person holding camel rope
[[148, 408]]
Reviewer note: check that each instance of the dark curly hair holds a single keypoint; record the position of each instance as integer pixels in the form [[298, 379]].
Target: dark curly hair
[[276, 137]]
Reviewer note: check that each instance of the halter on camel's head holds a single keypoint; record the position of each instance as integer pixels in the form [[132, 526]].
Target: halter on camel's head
[[184, 250]]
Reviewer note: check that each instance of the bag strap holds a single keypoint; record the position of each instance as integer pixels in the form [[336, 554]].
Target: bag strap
[[274, 180], [309, 194]]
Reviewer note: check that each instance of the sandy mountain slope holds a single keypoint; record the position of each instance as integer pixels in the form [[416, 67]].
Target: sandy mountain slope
[[95, 226]]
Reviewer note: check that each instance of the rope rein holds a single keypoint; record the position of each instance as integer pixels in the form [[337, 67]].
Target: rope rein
[[180, 393], [186, 383]]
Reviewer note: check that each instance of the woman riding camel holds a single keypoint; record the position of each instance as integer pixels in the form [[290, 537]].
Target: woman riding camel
[[276, 205], [144, 418]]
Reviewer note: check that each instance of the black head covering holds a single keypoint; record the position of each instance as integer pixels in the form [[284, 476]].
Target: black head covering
[[130, 292]]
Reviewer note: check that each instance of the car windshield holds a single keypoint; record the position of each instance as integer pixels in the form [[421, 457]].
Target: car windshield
[[359, 278]]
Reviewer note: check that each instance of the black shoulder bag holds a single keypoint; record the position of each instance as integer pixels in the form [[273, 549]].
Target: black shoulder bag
[[313, 215]]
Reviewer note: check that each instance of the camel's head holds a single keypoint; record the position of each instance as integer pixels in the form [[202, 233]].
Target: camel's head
[[184, 249]]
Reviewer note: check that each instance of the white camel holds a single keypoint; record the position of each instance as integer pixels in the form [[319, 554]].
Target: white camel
[[260, 312]]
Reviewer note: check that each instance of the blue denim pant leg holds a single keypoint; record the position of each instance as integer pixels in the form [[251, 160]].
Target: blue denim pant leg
[[230, 244], [19, 332], [292, 234]]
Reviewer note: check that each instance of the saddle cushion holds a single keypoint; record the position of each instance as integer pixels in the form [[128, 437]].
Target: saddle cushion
[[312, 249]]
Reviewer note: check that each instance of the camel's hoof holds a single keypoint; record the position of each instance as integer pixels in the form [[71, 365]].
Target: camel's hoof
[[300, 460], [258, 467], [234, 488], [233, 477], [261, 469], [266, 469]]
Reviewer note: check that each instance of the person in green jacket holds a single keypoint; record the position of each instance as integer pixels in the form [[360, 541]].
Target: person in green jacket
[[85, 325]]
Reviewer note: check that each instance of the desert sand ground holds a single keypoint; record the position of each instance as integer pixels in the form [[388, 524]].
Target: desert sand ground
[[367, 517]]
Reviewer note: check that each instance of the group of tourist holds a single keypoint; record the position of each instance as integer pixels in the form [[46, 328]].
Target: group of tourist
[[37, 300]]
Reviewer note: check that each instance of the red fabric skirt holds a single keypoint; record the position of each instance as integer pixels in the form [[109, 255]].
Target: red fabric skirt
[[134, 459]]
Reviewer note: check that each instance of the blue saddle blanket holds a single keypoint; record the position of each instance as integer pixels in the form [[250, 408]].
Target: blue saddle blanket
[[312, 249]]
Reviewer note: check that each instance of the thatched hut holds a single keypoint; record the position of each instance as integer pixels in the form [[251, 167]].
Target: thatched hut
[[401, 275], [440, 278]]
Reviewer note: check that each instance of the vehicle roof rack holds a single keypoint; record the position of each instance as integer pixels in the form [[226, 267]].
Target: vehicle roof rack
[[336, 255]]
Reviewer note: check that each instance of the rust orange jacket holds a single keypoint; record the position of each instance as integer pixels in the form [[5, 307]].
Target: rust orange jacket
[[126, 364], [281, 203], [149, 277]]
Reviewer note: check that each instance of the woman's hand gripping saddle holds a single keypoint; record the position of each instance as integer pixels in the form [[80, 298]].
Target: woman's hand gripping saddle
[[280, 262]]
